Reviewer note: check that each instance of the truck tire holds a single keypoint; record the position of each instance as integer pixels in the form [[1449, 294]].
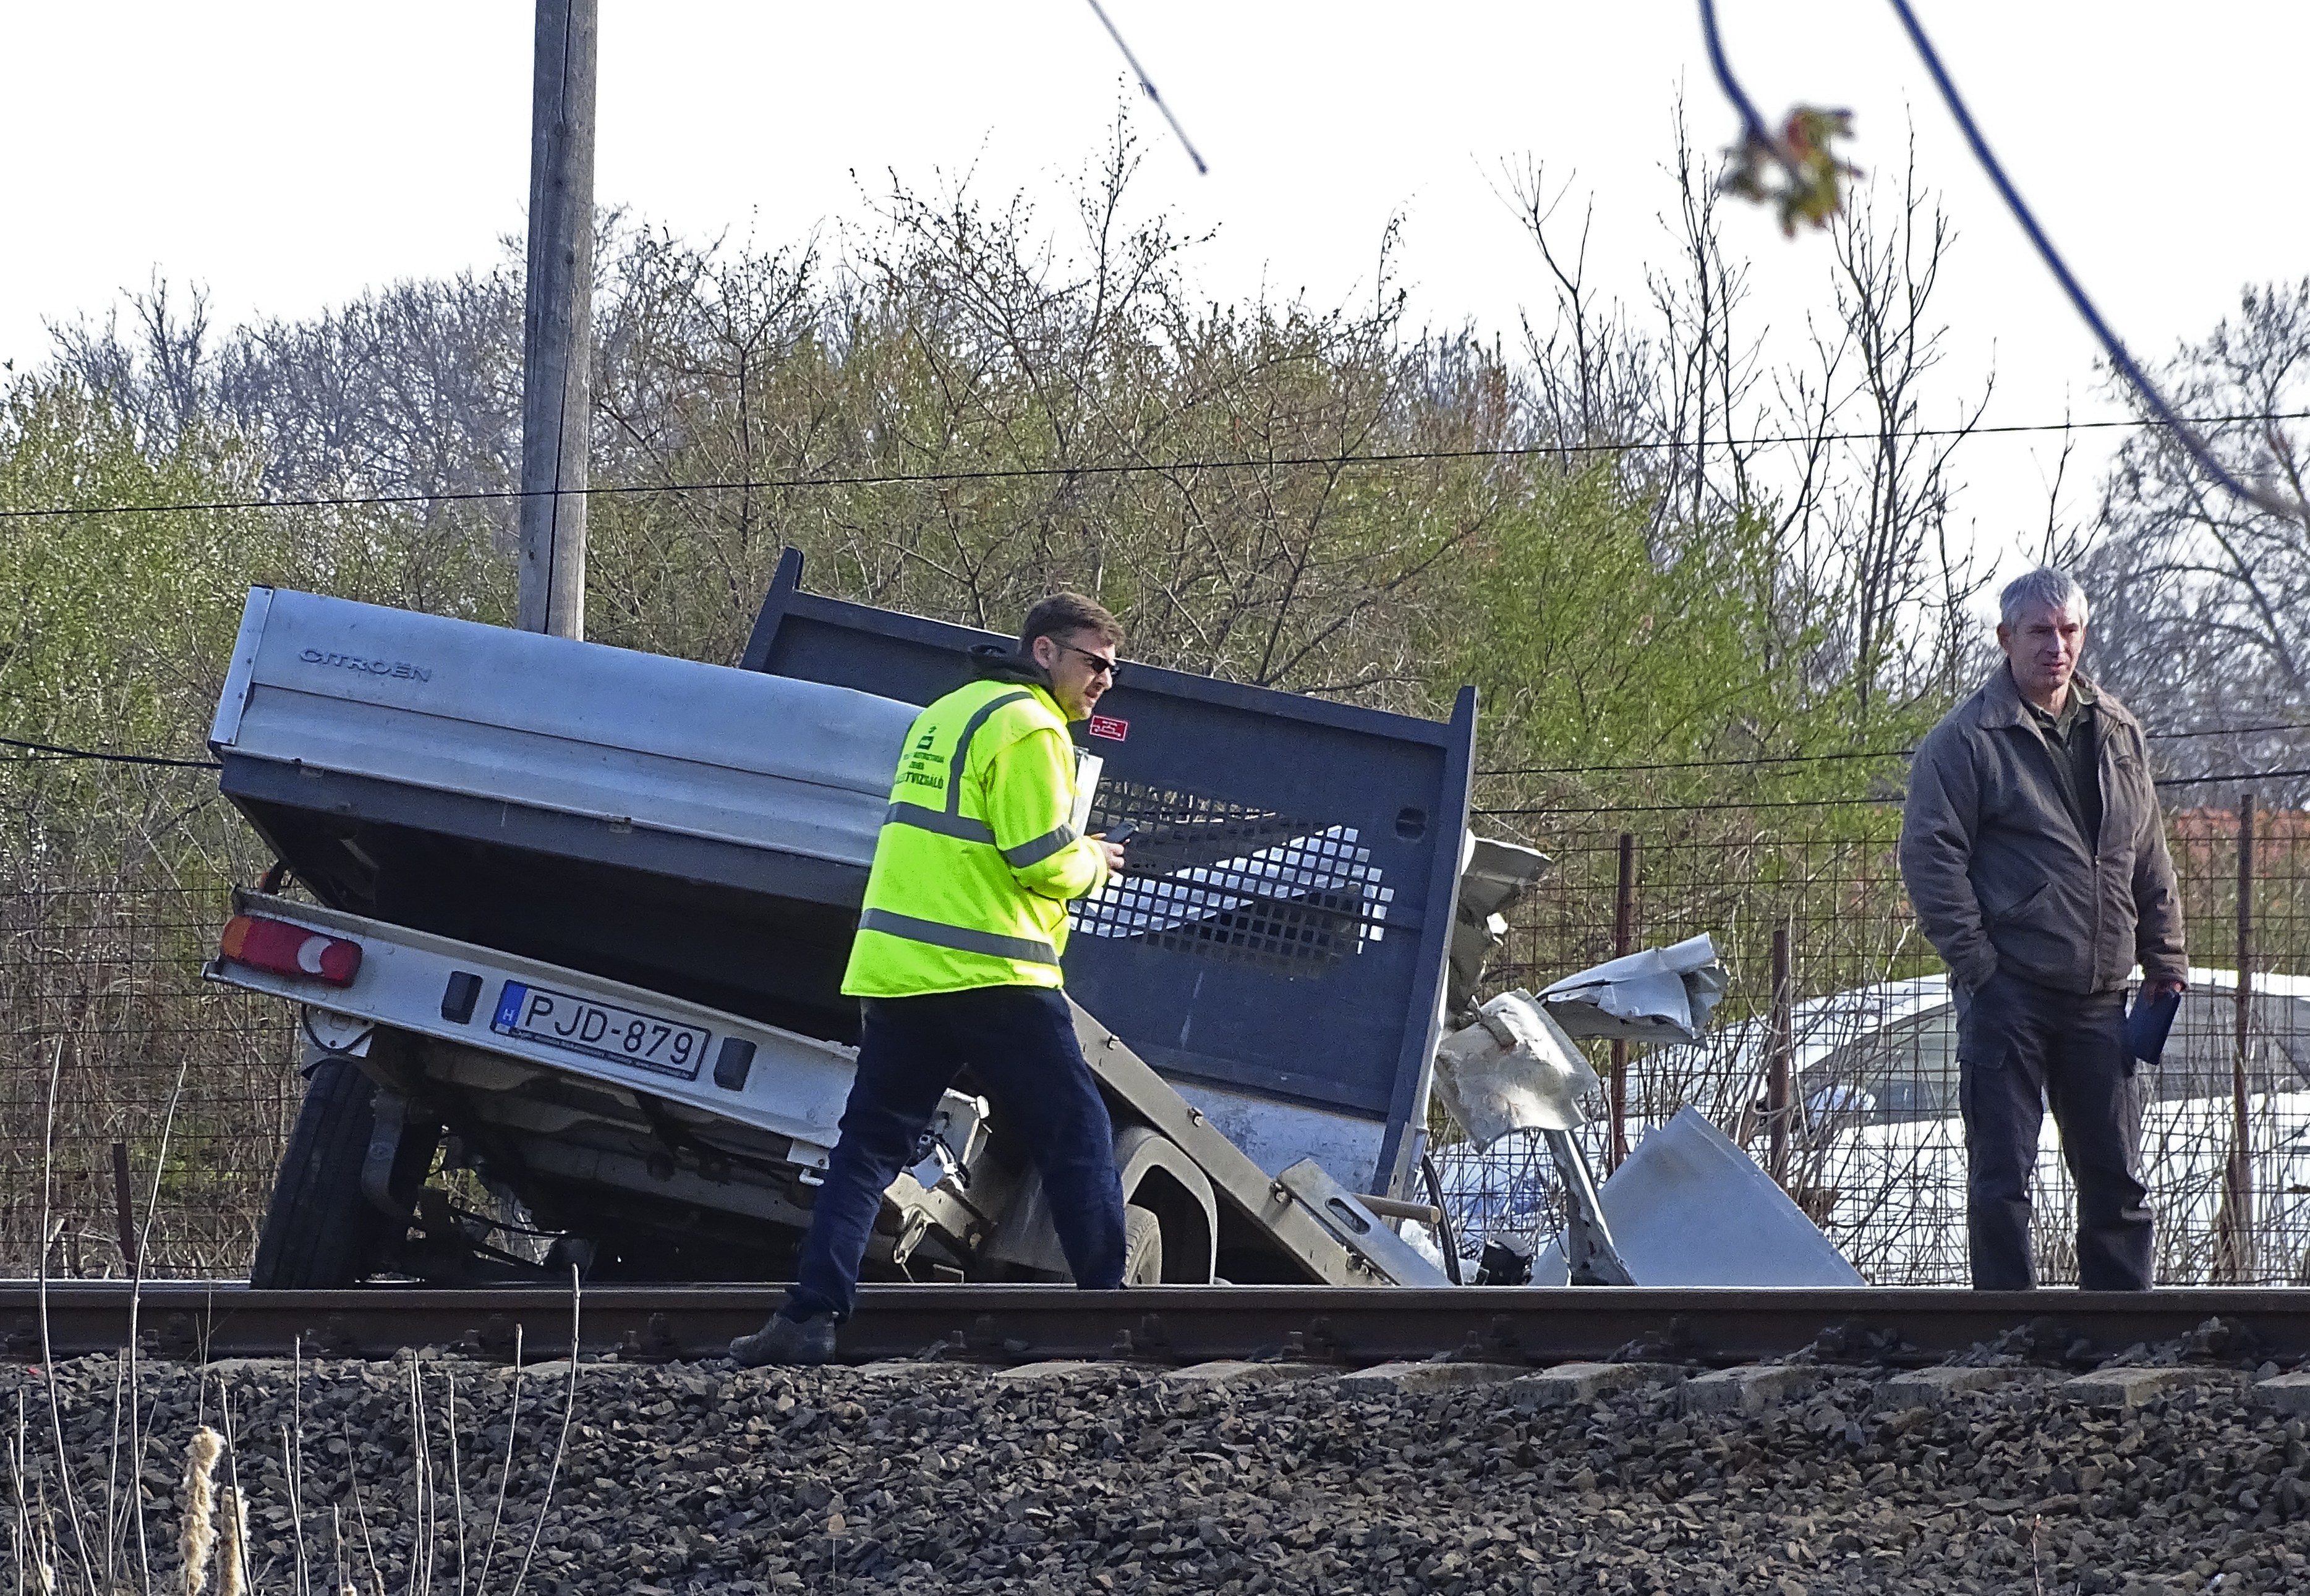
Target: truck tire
[[319, 1230], [1142, 1247]]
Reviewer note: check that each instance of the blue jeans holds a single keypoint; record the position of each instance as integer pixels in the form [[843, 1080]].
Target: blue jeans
[[2022, 1048], [1020, 1045]]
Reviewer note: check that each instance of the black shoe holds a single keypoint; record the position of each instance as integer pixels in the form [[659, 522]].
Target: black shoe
[[787, 1341]]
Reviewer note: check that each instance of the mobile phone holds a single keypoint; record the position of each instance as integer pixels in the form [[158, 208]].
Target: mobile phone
[[1120, 834]]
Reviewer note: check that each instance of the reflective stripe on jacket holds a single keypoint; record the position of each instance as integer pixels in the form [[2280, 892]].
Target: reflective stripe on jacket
[[977, 855]]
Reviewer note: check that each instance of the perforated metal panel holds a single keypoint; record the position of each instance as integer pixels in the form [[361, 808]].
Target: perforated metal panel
[[1224, 880]]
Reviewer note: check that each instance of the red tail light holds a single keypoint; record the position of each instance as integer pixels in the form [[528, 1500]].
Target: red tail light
[[289, 950]]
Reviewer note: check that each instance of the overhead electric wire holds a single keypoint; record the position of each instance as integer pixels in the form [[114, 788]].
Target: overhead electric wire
[[41, 752], [1848, 801], [1647, 809], [45, 752], [1095, 469], [2240, 775], [1747, 761]]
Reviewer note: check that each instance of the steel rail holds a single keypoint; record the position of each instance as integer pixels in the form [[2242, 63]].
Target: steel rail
[[1174, 1324]]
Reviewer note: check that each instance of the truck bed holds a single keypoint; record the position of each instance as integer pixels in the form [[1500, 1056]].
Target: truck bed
[[682, 826], [1277, 953]]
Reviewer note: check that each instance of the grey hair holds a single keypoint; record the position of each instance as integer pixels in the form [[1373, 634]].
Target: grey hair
[[2054, 589]]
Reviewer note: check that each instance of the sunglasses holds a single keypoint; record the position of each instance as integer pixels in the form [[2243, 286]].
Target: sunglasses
[[1111, 669]]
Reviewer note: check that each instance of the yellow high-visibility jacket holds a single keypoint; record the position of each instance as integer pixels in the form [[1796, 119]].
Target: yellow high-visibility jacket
[[977, 855]]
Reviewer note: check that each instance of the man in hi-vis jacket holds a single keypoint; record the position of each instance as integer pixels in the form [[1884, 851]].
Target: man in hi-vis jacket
[[2035, 855], [956, 963]]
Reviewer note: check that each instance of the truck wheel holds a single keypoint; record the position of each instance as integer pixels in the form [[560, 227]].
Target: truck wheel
[[1142, 1247], [319, 1230]]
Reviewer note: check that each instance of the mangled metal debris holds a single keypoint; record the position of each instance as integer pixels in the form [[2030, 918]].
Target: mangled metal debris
[[1513, 1069], [1656, 994]]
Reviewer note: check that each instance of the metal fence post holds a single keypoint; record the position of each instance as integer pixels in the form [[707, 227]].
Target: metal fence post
[[1784, 1042], [1624, 931], [124, 1205], [2234, 1251]]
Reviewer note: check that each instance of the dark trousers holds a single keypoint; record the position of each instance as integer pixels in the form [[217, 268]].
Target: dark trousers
[[1020, 1045], [2021, 1048]]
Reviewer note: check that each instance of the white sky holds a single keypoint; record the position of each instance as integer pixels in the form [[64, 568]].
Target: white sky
[[288, 155]]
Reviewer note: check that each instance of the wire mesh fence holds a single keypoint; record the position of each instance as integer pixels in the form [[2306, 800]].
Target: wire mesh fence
[[142, 1106], [1860, 1122]]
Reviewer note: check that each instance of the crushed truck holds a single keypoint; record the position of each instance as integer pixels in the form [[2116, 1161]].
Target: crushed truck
[[565, 924]]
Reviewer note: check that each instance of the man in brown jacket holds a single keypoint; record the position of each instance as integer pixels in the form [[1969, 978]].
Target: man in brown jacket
[[2035, 855]]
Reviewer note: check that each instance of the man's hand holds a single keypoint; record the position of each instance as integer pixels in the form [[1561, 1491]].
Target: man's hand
[[1114, 852], [2160, 988]]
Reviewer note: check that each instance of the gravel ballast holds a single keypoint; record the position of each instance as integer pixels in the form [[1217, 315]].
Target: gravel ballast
[[933, 1477]]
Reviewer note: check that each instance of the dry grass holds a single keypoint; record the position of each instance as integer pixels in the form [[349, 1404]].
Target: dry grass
[[334, 1539], [199, 1535]]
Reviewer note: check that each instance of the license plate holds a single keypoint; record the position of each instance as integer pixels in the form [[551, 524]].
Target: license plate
[[599, 1030]]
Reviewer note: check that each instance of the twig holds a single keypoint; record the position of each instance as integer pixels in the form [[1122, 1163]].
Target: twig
[[456, 1480], [360, 1514], [47, 1347], [292, 1473], [1811, 173], [22, 1532], [428, 1497], [136, 1440], [112, 1476], [505, 1474], [293, 1461], [569, 1411], [1752, 126], [235, 1576]]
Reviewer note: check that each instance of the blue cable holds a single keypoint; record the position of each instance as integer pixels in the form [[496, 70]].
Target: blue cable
[[1752, 126], [2197, 446]]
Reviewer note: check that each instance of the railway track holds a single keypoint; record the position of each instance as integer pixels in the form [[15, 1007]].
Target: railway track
[[193, 1320]]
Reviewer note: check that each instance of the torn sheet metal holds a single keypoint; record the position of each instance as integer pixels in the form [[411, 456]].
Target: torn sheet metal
[[1597, 1258], [1657, 994], [1492, 875], [1690, 1208], [1514, 1069]]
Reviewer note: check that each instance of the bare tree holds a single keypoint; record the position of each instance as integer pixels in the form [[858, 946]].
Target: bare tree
[[1904, 587], [2202, 602], [1826, 468]]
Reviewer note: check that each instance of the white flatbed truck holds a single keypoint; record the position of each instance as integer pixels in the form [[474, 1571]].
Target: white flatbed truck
[[568, 922]]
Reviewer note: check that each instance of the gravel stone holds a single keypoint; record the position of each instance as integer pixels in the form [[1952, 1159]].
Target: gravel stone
[[937, 1477]]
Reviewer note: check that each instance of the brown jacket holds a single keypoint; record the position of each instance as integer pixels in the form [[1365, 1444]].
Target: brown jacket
[[2000, 872]]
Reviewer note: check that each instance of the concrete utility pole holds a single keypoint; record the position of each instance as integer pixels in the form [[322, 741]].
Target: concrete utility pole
[[558, 326]]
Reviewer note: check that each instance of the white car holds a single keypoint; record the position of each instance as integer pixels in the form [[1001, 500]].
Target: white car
[[1877, 1150]]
